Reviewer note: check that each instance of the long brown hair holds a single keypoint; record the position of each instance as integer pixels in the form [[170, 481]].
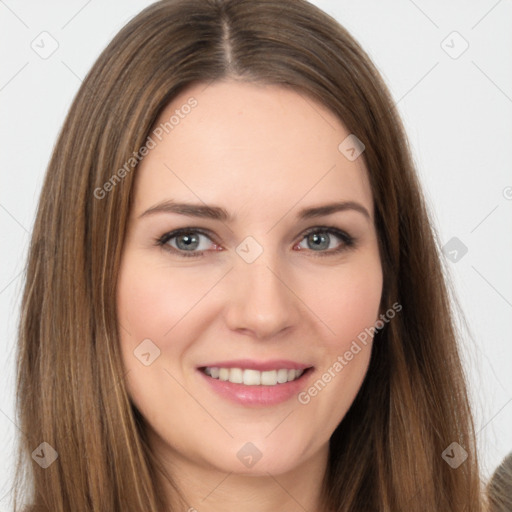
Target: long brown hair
[[387, 453], [499, 487]]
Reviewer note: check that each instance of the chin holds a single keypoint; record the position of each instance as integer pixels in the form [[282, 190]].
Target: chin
[[259, 457], [275, 464]]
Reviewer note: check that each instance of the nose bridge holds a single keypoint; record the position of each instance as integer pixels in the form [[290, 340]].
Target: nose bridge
[[261, 302]]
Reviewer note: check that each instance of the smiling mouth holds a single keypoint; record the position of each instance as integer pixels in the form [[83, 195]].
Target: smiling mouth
[[250, 377]]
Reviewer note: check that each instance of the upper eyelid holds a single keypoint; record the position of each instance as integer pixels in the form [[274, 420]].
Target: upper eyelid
[[180, 231]]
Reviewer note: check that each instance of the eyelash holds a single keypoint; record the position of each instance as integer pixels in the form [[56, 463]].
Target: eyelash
[[348, 241]]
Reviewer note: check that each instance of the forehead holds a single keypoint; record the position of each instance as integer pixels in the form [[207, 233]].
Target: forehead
[[250, 147]]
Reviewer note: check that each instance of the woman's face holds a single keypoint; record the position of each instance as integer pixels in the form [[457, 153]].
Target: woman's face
[[261, 284]]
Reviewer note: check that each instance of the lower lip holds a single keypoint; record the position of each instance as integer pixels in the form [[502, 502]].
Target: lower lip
[[257, 395]]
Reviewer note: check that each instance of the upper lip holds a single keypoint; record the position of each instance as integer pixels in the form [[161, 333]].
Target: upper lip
[[251, 364]]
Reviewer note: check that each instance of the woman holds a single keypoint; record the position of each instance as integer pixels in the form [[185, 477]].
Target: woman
[[182, 347]]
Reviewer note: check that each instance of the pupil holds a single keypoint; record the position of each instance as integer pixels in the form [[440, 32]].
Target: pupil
[[317, 240], [189, 241]]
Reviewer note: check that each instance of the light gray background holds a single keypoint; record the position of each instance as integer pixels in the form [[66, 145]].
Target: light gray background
[[457, 112]]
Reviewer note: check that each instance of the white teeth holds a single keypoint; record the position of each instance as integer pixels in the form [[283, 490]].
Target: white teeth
[[269, 378], [253, 377], [236, 375], [282, 376]]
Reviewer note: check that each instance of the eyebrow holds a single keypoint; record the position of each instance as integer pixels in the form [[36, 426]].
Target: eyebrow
[[219, 213]]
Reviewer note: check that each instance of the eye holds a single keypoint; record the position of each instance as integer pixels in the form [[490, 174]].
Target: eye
[[322, 240], [186, 240]]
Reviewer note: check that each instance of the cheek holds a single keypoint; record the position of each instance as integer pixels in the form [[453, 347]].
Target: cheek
[[152, 301], [348, 302], [149, 308]]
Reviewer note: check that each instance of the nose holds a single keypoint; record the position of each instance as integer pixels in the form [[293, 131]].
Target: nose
[[261, 300]]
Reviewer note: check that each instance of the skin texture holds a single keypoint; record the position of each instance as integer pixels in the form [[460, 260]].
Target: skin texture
[[263, 153]]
